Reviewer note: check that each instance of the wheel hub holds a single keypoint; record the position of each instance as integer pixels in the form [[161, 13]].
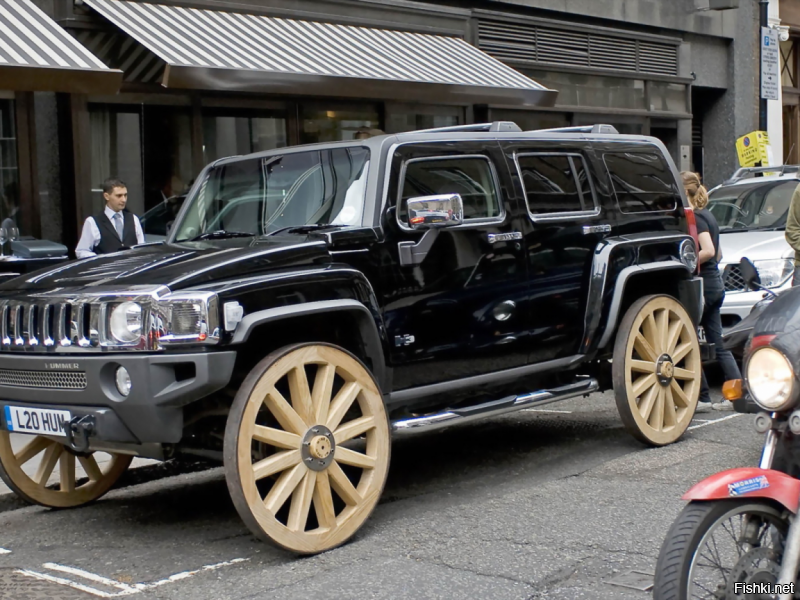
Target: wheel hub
[[759, 565], [665, 370], [318, 448]]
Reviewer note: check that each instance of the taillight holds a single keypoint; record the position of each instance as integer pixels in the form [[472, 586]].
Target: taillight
[[691, 221], [761, 340], [416, 220]]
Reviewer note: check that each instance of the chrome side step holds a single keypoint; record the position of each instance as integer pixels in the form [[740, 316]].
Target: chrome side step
[[456, 416]]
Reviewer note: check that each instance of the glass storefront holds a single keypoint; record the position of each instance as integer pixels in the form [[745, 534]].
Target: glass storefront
[[577, 89], [230, 133], [333, 123], [412, 117], [9, 167]]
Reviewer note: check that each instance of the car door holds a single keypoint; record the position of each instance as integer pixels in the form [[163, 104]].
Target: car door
[[452, 295], [563, 225]]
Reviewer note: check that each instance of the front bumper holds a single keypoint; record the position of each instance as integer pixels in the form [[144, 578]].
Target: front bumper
[[152, 412], [739, 304]]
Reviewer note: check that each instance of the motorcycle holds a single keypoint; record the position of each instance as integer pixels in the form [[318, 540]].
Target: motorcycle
[[739, 536]]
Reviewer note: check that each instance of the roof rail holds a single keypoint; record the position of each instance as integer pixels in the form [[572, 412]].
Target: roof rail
[[488, 127], [599, 128], [747, 172]]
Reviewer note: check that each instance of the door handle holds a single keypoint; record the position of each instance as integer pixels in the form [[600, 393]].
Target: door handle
[[493, 238]]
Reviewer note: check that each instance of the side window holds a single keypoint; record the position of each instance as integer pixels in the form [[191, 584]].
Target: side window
[[555, 183], [643, 182], [470, 176]]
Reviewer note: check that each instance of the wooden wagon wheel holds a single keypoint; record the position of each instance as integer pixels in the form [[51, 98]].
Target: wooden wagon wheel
[[656, 370], [307, 427], [69, 491]]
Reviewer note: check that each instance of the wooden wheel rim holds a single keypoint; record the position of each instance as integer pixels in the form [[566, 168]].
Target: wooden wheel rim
[[306, 489], [662, 328], [55, 455]]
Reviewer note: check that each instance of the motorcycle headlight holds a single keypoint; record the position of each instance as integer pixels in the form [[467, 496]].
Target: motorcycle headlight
[[775, 272], [125, 322], [770, 379]]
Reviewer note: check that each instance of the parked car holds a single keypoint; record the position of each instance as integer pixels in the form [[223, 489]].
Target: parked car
[[295, 318], [751, 209]]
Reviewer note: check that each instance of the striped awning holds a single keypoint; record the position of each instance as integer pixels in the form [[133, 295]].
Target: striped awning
[[38, 55], [210, 49]]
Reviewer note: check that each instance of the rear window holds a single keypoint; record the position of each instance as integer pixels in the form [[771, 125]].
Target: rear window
[[642, 182], [555, 183]]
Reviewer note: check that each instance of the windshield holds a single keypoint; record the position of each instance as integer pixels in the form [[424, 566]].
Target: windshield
[[752, 206], [261, 195]]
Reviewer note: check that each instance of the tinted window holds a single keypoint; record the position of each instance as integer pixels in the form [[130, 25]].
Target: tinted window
[[472, 178], [642, 182], [555, 183]]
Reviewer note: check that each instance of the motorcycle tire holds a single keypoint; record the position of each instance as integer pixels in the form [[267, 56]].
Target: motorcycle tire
[[683, 540]]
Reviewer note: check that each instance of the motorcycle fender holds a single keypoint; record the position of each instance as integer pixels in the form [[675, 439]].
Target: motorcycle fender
[[750, 482]]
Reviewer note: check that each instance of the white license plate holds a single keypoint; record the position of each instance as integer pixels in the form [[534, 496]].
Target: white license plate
[[36, 420]]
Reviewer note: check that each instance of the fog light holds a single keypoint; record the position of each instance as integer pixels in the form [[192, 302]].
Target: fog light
[[123, 381]]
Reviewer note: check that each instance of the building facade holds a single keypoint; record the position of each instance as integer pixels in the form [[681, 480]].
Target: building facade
[[676, 69]]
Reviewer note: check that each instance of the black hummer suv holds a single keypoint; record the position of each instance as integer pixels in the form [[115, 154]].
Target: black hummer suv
[[311, 302]]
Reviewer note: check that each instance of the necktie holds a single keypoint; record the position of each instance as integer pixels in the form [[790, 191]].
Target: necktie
[[118, 224]]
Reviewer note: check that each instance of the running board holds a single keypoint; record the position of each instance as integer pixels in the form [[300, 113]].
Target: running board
[[456, 416]]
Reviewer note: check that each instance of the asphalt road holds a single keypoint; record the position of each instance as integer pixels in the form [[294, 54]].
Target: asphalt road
[[537, 504]]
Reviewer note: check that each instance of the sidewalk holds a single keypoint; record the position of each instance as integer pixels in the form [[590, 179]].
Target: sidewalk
[[19, 441]]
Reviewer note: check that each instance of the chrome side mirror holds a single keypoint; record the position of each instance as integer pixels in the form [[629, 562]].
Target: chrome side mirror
[[432, 212]]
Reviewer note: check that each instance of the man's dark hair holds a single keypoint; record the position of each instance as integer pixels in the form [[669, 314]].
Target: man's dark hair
[[111, 183]]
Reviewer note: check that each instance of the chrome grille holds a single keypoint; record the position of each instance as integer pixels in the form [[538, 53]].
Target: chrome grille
[[55, 380], [25, 325], [732, 277]]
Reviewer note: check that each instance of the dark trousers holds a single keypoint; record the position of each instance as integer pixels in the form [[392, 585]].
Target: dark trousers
[[712, 325]]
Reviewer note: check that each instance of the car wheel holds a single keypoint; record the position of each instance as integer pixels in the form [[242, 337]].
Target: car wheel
[[656, 370], [64, 489], [307, 427]]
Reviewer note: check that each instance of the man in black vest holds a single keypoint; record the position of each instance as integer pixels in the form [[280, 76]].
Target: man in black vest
[[113, 229]]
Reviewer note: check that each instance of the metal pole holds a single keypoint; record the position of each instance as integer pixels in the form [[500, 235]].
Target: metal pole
[[762, 102]]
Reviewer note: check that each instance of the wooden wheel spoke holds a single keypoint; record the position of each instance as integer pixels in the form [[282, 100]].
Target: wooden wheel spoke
[[276, 463], [675, 329], [647, 403], [644, 348], [276, 437], [657, 416], [342, 403], [643, 384], [662, 324], [323, 501], [301, 394], [356, 459], [650, 332], [91, 467], [284, 413], [353, 429], [343, 486], [323, 389], [301, 502], [31, 449], [67, 471], [678, 395], [284, 487], [48, 463], [681, 352], [670, 411], [685, 374], [643, 366]]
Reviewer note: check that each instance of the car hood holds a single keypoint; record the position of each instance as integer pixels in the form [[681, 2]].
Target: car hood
[[755, 245], [177, 266]]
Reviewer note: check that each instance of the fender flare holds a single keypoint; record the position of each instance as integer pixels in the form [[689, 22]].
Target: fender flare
[[775, 485], [367, 325]]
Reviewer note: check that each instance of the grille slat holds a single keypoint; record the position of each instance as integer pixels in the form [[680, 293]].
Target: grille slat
[[24, 325], [54, 380], [734, 282]]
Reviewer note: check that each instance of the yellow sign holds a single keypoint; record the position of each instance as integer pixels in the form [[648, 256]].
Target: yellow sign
[[753, 148]]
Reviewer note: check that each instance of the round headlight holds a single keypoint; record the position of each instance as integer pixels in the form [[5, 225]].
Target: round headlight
[[689, 255], [126, 322], [123, 379], [770, 379]]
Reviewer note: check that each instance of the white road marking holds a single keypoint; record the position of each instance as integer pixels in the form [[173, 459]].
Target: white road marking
[[125, 589], [714, 421], [547, 410], [4, 551]]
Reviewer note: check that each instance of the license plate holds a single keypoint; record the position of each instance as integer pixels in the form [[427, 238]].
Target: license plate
[[36, 420]]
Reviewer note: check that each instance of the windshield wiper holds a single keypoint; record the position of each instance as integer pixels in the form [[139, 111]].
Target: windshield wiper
[[220, 234], [302, 228]]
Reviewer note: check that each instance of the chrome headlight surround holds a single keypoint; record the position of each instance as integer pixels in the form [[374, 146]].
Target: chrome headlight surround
[[187, 318], [771, 379], [688, 254]]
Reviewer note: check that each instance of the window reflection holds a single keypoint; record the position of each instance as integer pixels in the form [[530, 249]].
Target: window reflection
[[336, 124], [9, 169], [227, 134]]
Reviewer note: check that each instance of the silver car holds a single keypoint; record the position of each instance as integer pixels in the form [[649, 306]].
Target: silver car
[[751, 211]]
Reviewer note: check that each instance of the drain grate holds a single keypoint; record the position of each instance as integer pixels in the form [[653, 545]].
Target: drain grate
[[16, 586], [635, 580]]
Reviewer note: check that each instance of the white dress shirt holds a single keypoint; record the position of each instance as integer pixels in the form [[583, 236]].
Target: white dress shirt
[[90, 236]]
